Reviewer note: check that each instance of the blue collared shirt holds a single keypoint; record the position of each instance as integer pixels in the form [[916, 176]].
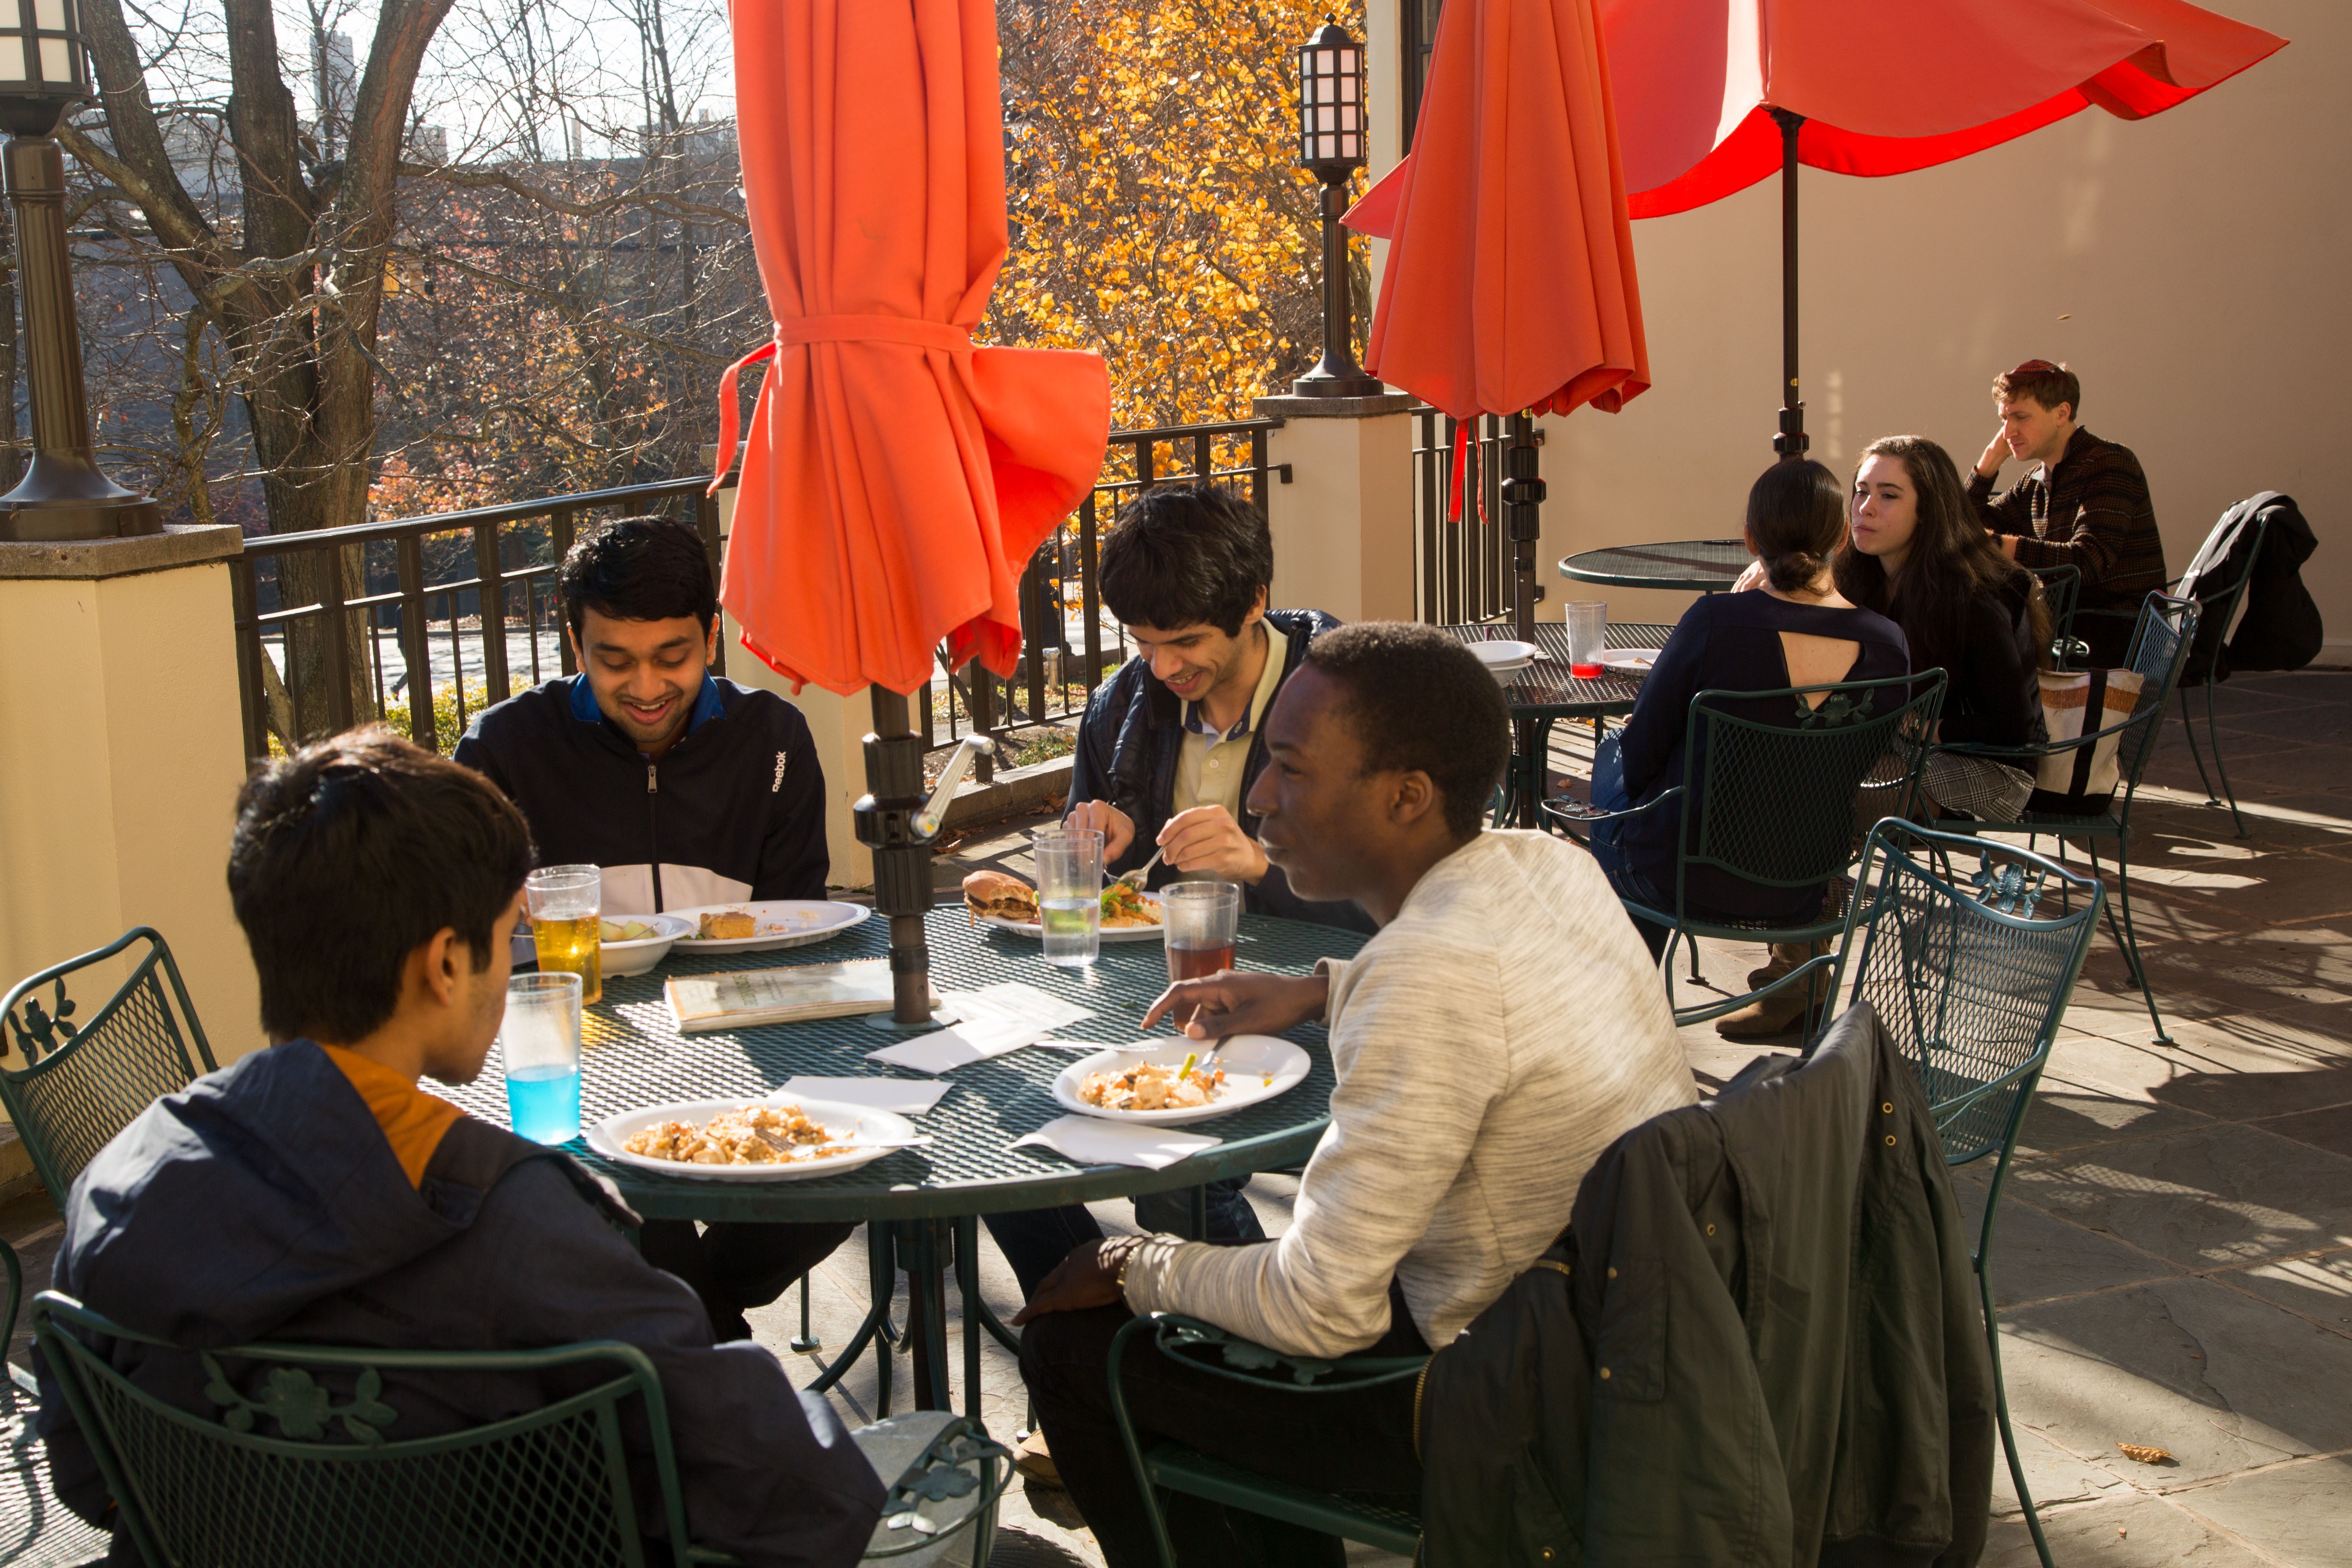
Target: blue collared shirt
[[706, 705]]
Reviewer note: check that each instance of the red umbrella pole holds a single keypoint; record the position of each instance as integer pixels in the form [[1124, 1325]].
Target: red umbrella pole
[[1790, 442]]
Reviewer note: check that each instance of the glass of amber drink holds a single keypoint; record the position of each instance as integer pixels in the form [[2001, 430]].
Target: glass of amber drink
[[1200, 922], [566, 903]]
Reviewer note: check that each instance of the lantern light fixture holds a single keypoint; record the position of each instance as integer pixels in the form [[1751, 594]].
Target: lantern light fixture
[[1331, 148]]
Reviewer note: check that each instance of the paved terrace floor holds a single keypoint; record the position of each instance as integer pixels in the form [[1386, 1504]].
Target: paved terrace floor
[[2174, 1261]]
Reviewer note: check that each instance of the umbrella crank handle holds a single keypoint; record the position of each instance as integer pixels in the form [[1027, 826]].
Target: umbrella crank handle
[[928, 820]]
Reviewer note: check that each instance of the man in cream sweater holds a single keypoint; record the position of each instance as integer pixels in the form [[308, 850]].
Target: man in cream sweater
[[1504, 1026]]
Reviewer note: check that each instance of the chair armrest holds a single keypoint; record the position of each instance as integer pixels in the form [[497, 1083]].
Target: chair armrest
[[1248, 1362], [1568, 809], [2044, 748]]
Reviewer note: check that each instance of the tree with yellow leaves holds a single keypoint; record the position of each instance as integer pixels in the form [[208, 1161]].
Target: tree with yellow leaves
[[1159, 215]]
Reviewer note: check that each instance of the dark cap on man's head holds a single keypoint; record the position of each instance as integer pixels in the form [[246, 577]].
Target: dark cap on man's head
[[352, 853], [640, 569], [1417, 698], [1182, 555]]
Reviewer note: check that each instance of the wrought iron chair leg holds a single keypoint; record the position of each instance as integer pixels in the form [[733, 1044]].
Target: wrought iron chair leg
[[15, 1299], [2128, 940], [2219, 767], [2001, 1410], [2189, 726]]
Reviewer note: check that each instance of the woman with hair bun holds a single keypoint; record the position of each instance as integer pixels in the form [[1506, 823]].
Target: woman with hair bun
[[1796, 630]]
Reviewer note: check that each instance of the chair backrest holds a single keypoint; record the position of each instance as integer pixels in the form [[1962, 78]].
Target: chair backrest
[[2217, 592], [1960, 946], [2160, 649], [2061, 590], [330, 1484], [1774, 803], [77, 1081]]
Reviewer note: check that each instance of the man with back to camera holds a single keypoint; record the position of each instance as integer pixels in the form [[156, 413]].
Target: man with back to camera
[[312, 1192], [1501, 1030], [2085, 505], [1166, 753], [686, 789]]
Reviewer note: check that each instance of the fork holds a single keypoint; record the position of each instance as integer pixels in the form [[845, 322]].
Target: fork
[[1135, 879]]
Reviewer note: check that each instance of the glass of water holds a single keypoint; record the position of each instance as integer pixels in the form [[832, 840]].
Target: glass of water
[[540, 1041], [1069, 893]]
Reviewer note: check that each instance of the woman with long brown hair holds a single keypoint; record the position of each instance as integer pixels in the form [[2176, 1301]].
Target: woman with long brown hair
[[1915, 553]]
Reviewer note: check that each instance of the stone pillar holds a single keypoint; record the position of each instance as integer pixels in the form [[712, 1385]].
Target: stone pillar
[[839, 723], [125, 752], [1343, 539]]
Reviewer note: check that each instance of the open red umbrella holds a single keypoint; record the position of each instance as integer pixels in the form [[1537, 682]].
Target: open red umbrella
[[1509, 283], [1713, 95], [896, 478]]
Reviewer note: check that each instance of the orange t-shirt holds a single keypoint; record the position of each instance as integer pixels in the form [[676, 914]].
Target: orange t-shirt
[[413, 1120]]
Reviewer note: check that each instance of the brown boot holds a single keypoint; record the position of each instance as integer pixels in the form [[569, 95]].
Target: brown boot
[[1783, 1010]]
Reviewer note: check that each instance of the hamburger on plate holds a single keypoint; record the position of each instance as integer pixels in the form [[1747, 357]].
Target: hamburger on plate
[[999, 897]]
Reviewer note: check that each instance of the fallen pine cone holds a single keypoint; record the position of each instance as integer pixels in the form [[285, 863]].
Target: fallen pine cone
[[2144, 1453]]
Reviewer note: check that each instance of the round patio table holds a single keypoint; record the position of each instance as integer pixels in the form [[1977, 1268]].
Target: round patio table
[[1696, 565], [919, 1201], [1545, 692]]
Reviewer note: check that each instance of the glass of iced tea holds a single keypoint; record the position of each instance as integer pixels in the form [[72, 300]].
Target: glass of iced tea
[[566, 903], [1198, 920]]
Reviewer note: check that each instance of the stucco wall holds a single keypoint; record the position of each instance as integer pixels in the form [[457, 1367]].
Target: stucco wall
[[2189, 267]]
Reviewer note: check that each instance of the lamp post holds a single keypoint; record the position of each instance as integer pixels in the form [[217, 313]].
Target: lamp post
[[1331, 148], [43, 73]]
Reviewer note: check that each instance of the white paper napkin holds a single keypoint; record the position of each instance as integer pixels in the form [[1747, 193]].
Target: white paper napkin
[[959, 1045], [1017, 1002], [1093, 1142], [907, 1096]]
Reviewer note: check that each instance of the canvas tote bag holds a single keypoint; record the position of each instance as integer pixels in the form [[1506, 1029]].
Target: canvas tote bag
[[2073, 704]]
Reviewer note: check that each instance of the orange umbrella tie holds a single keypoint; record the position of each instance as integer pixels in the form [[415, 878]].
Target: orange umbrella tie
[[943, 335]]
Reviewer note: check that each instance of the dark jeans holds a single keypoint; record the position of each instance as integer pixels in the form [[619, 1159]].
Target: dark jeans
[[1035, 1240], [1609, 795], [732, 1266], [1356, 1442]]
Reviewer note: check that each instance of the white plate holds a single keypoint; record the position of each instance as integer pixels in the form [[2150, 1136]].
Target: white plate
[[637, 957], [1633, 660], [798, 923], [1257, 1068], [849, 1123], [1036, 932]]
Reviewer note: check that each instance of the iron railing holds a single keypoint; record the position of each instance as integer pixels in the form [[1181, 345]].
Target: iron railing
[[420, 595], [1461, 565], [410, 592], [1068, 641]]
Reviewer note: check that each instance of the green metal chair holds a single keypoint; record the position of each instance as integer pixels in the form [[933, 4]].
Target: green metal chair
[[2061, 590], [2160, 644], [1970, 978], [81, 1081], [333, 1487], [1777, 806], [1172, 1466]]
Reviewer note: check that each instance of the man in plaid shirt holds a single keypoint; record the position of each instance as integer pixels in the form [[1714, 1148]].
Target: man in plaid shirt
[[2083, 505]]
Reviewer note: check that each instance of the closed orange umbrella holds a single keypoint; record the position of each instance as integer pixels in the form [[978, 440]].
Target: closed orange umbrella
[[1510, 282], [895, 479]]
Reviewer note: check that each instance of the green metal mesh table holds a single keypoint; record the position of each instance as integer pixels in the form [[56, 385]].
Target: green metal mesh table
[[1545, 692], [634, 1056], [1696, 565]]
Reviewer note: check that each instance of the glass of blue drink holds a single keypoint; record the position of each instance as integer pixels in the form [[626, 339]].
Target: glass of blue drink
[[540, 1043]]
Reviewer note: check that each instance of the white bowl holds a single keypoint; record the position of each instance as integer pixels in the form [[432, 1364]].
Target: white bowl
[[637, 957], [1504, 660]]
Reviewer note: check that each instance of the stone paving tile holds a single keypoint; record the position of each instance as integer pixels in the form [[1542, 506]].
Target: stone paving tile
[[2300, 1513], [2330, 1128], [2131, 1531], [2039, 1256], [2220, 1380], [2234, 1068], [2068, 1114], [2318, 1287], [2213, 1198], [2056, 1478]]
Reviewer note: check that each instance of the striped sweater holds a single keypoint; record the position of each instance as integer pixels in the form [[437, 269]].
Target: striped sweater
[[1489, 1043], [2096, 518]]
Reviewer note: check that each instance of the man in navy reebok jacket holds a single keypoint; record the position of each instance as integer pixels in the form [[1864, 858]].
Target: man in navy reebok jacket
[[686, 789]]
